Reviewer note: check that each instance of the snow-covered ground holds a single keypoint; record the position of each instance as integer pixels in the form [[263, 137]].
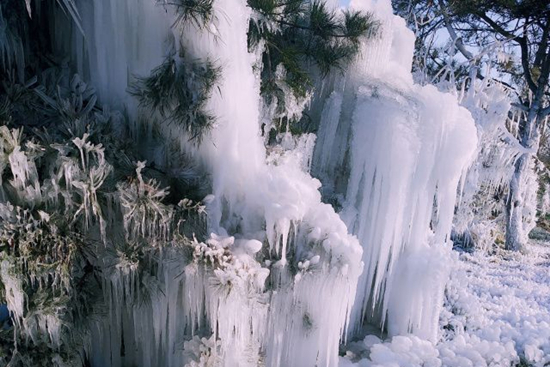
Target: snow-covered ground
[[497, 313]]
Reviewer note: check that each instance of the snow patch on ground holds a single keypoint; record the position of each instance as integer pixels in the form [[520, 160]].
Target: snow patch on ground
[[497, 313]]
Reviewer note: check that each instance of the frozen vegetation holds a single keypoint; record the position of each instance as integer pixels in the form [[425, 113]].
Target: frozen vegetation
[[263, 183]]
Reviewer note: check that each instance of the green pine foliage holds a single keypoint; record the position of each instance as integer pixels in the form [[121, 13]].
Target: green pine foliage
[[196, 12], [178, 91], [303, 37]]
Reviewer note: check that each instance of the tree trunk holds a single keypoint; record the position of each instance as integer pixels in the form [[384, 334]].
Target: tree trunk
[[515, 233], [516, 236]]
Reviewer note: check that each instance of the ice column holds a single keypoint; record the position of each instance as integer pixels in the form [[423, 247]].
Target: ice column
[[408, 147]]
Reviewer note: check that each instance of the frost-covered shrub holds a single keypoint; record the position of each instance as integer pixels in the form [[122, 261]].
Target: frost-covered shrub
[[480, 215], [75, 214], [202, 352], [49, 195]]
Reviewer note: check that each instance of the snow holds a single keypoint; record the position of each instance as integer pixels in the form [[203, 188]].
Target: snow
[[497, 312]]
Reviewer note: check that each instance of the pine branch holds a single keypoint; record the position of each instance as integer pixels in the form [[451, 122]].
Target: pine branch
[[178, 92], [308, 34], [196, 12]]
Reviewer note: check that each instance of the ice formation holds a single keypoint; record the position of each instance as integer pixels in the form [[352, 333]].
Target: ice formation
[[408, 146], [265, 207], [297, 225]]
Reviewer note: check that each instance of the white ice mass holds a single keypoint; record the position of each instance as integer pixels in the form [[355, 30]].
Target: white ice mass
[[408, 146]]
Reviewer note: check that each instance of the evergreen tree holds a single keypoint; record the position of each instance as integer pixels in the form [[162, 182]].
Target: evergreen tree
[[178, 90]]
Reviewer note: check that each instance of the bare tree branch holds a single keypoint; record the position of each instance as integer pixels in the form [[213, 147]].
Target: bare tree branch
[[520, 106], [522, 42], [457, 40], [541, 51]]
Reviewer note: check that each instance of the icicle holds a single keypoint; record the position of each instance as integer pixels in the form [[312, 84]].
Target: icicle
[[281, 197], [408, 148]]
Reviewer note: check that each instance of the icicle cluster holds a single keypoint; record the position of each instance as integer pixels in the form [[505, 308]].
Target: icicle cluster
[[313, 261], [397, 181]]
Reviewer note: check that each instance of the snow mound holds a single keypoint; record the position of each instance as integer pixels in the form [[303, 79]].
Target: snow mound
[[497, 313]]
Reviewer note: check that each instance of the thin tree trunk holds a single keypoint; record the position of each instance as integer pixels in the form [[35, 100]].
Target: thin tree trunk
[[516, 236], [515, 233]]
